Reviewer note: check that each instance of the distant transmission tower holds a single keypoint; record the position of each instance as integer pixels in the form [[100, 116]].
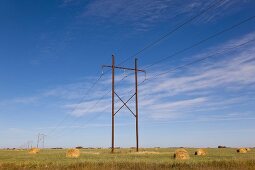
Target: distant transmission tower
[[29, 144], [40, 139]]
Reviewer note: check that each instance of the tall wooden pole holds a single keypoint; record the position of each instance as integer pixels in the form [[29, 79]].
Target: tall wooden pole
[[43, 140], [38, 140], [113, 67], [136, 105]]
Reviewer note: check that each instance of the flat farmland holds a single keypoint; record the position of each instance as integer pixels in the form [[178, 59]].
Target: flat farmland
[[147, 158]]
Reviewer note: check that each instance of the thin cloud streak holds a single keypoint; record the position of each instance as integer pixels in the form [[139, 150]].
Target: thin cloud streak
[[174, 95], [143, 14], [159, 100]]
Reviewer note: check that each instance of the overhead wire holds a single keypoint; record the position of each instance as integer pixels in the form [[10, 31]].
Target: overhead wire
[[200, 42], [181, 51], [171, 31], [220, 52], [91, 107], [80, 101], [203, 40], [201, 59], [151, 44]]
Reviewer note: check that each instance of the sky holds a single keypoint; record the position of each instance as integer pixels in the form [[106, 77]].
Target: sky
[[198, 90]]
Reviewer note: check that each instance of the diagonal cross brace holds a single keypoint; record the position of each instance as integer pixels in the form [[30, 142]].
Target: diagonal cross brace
[[125, 104]]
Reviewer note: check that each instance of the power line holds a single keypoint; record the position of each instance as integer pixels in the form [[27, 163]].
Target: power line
[[92, 118], [100, 99], [85, 124], [213, 4], [160, 74], [80, 101], [183, 50], [161, 38], [88, 109], [197, 61], [201, 59], [203, 40], [177, 68]]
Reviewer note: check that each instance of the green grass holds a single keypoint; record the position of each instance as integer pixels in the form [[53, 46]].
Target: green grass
[[127, 159]]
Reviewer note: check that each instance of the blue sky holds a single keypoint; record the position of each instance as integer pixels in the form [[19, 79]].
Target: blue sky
[[52, 50]]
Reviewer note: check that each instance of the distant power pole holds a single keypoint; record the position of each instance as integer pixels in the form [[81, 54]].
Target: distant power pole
[[43, 136], [136, 70], [40, 139], [29, 144]]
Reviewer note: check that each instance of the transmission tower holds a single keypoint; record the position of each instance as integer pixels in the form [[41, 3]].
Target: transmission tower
[[136, 70], [40, 139]]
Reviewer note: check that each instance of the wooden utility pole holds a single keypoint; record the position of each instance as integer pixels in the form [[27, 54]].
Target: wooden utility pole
[[136, 70], [136, 104], [43, 138], [38, 140], [113, 67]]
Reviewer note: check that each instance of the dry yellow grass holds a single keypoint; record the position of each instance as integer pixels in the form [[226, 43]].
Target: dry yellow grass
[[181, 154], [241, 150], [145, 152], [33, 151], [200, 152], [73, 153], [92, 153], [54, 159]]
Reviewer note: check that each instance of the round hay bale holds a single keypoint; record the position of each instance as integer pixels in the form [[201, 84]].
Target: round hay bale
[[181, 154], [33, 151], [200, 152], [241, 150], [73, 153], [248, 149]]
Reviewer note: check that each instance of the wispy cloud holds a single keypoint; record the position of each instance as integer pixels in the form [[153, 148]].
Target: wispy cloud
[[208, 85], [221, 10], [65, 3], [135, 11], [221, 83], [88, 107], [21, 100], [145, 13]]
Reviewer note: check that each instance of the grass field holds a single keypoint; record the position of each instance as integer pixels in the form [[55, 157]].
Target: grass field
[[149, 159]]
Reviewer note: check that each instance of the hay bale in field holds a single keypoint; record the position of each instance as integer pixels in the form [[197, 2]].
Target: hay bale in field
[[200, 152], [33, 151], [73, 153], [241, 150], [248, 149], [181, 154]]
